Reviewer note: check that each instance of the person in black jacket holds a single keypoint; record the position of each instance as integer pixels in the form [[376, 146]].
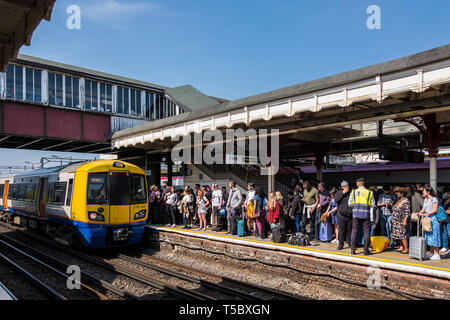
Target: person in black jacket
[[296, 211], [344, 214]]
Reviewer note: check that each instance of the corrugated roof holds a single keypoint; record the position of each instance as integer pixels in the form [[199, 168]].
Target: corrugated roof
[[44, 63], [191, 98]]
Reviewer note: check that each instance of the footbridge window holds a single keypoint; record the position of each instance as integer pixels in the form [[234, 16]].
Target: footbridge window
[[72, 95], [58, 88], [14, 82], [33, 89], [55, 89]]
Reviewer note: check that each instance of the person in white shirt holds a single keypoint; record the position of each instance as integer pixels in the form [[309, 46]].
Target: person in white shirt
[[187, 205], [216, 202]]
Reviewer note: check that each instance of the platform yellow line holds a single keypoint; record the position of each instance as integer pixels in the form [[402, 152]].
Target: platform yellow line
[[310, 249]]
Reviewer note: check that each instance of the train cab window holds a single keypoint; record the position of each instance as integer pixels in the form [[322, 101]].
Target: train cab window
[[2, 188], [138, 189], [69, 193], [96, 188], [119, 188], [59, 194]]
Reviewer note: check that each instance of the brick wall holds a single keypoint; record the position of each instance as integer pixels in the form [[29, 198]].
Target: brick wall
[[310, 268]]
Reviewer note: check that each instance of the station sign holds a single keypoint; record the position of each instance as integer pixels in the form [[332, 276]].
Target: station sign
[[239, 159], [341, 161]]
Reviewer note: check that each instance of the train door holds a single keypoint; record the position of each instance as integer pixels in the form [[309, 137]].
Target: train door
[[5, 195], [119, 197], [42, 197]]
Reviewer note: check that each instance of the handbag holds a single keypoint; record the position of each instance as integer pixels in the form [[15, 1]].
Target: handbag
[[441, 215], [426, 224], [222, 212], [250, 209], [256, 213]]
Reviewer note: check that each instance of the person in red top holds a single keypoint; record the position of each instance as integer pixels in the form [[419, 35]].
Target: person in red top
[[273, 208]]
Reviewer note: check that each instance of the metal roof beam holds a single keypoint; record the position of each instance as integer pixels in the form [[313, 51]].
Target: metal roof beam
[[5, 38], [58, 144], [29, 4], [29, 143], [83, 147]]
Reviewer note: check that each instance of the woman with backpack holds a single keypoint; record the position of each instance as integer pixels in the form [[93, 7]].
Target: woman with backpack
[[258, 213]]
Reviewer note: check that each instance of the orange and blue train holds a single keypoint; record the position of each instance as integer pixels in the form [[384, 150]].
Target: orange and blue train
[[95, 204]]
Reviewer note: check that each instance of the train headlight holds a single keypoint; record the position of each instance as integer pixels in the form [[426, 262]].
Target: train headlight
[[140, 215], [94, 216]]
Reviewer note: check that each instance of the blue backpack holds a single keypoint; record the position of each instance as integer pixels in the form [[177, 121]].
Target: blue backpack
[[441, 215]]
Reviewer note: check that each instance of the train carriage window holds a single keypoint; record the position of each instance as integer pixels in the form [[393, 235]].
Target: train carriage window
[[13, 191], [29, 193], [138, 189], [69, 193], [50, 192], [2, 188], [21, 192], [96, 188], [119, 188], [59, 194]]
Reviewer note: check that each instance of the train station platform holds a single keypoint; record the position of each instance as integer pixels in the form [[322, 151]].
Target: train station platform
[[397, 269], [5, 294], [389, 259]]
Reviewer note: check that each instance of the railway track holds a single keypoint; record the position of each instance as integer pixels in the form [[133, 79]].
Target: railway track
[[116, 268], [151, 273], [236, 289], [49, 279]]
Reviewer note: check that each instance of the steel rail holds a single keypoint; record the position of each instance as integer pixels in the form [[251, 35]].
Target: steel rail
[[88, 289], [266, 290], [64, 266], [119, 269], [7, 292], [44, 287]]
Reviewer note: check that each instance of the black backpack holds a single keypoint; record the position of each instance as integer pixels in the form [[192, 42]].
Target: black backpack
[[299, 239]]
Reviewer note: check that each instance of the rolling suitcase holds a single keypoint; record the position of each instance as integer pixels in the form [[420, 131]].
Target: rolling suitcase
[[417, 245], [326, 231], [240, 228], [283, 229], [276, 233], [234, 227]]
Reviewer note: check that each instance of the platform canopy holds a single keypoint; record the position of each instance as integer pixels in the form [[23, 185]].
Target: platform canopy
[[18, 20], [411, 86]]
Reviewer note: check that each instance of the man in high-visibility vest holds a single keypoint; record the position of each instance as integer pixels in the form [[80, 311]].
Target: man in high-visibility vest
[[361, 200]]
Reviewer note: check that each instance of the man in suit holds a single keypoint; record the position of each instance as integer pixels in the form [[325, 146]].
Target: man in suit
[[233, 203]]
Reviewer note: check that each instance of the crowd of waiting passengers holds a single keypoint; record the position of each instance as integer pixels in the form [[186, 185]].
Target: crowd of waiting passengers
[[339, 215]]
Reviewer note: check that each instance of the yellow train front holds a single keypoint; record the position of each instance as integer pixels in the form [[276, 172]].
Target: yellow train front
[[94, 204], [109, 206]]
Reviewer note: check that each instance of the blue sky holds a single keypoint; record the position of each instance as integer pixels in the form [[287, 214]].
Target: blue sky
[[236, 48]]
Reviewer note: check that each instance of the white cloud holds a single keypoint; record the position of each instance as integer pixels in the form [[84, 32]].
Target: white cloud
[[106, 10]]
